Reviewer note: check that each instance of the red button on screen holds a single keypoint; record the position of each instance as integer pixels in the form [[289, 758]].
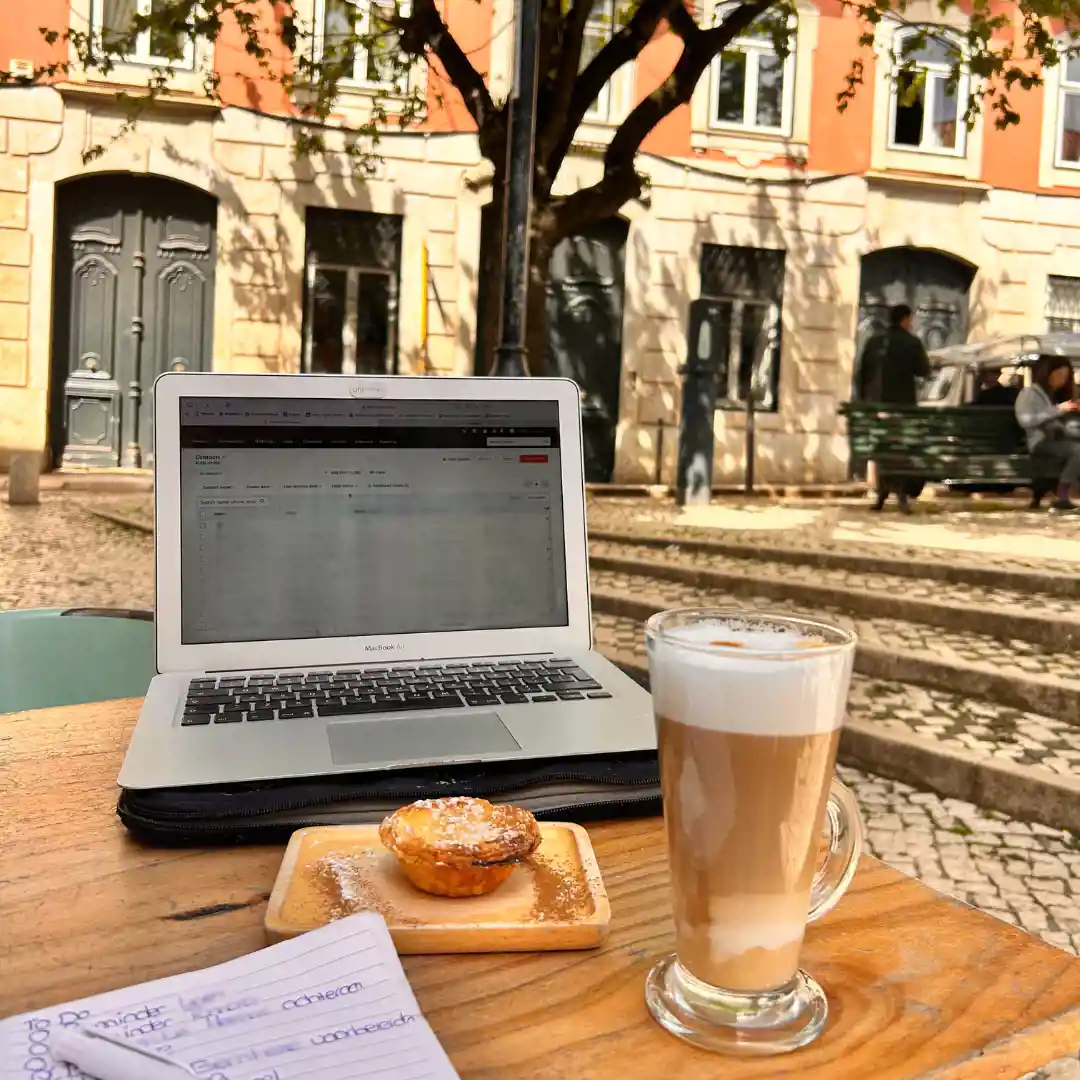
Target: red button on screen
[[534, 458]]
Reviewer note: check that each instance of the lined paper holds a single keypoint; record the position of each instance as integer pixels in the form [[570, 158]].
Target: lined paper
[[333, 1004]]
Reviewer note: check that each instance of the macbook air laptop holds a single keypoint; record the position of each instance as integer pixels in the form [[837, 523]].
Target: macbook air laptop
[[369, 573]]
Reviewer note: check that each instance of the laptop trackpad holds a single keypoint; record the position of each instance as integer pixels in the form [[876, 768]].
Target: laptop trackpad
[[419, 738]]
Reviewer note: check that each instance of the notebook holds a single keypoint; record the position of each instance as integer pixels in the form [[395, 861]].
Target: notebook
[[333, 1004]]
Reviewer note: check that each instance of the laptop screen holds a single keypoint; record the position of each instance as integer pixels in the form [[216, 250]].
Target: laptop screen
[[312, 518]]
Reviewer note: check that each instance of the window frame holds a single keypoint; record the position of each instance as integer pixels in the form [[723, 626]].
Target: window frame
[[361, 55], [142, 57], [600, 111], [353, 273], [1050, 316], [753, 49], [383, 259], [941, 73], [1066, 88]]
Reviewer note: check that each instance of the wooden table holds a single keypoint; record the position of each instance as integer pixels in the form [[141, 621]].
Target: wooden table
[[919, 985]]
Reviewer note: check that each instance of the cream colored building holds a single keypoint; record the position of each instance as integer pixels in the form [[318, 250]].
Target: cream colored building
[[844, 231]]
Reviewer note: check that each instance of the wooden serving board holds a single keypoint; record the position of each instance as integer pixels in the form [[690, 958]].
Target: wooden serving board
[[555, 900]]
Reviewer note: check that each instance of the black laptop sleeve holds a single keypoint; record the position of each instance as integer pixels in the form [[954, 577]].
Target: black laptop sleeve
[[564, 789]]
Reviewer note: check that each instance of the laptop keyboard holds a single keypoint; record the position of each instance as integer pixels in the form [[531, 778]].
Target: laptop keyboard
[[408, 688]]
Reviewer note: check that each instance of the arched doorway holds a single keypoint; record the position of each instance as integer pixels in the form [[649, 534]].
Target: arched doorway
[[585, 317], [934, 285], [133, 296]]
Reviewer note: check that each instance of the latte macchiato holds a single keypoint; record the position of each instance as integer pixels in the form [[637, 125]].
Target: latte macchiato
[[748, 721]]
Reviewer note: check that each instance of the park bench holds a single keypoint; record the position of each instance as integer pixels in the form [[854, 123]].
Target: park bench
[[970, 447]]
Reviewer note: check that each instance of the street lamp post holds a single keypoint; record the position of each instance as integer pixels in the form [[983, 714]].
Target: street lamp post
[[511, 356]]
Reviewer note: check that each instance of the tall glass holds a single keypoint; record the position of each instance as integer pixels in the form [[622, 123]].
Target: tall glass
[[748, 714]]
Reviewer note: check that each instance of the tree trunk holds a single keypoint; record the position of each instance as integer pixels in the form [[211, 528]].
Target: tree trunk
[[536, 313], [489, 293]]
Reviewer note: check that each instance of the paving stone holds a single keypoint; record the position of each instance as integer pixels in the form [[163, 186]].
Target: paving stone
[[1031, 919], [887, 822], [1066, 919], [1049, 870], [990, 902], [1025, 842], [1046, 892], [1058, 938], [1062, 1069]]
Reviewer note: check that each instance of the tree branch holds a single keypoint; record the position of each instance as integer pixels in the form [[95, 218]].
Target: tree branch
[[621, 182], [424, 28], [699, 48], [623, 48], [555, 92], [574, 213]]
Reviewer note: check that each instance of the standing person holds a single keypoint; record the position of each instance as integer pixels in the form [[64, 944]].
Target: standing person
[[892, 363], [1039, 409]]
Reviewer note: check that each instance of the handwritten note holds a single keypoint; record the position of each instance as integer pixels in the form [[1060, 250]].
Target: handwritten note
[[333, 1004]]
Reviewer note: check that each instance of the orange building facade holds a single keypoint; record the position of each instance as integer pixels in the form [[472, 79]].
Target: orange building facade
[[201, 241]]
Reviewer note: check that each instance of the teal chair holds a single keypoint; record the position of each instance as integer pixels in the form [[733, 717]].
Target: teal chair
[[68, 656]]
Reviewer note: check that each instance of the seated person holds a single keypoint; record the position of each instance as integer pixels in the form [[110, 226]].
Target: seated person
[[1041, 416], [990, 390]]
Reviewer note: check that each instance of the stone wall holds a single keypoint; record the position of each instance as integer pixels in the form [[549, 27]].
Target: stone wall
[[1014, 239], [247, 162]]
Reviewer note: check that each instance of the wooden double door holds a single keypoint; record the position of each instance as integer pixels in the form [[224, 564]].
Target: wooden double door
[[133, 297]]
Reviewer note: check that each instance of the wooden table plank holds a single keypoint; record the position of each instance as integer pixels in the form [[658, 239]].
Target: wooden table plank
[[920, 985]]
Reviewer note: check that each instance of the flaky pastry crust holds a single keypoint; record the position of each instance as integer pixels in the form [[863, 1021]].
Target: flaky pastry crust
[[459, 846]]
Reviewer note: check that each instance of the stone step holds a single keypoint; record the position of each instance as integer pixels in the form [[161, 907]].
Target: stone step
[[924, 565], [1016, 763], [1018, 673], [1008, 615]]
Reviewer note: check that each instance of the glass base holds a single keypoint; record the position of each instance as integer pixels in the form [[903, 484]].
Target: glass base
[[728, 1022]]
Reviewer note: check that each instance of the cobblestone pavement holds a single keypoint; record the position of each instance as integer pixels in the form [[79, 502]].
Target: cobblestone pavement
[[1026, 874], [1027, 603], [820, 520], [1017, 657], [58, 555], [1062, 1069], [982, 727]]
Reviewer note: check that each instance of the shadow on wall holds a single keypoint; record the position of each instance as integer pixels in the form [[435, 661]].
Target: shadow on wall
[[803, 439], [266, 258]]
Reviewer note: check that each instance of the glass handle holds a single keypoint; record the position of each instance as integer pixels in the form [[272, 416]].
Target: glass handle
[[845, 846]]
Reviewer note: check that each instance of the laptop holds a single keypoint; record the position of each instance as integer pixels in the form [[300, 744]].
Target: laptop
[[371, 573]]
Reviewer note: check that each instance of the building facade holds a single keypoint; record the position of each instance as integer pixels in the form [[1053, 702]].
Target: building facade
[[201, 241]]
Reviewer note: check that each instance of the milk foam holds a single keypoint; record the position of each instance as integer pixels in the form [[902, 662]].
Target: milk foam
[[741, 923], [753, 693]]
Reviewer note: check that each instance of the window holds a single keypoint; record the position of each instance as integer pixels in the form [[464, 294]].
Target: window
[[744, 287], [1069, 134], [598, 30], [927, 103], [372, 60], [352, 269], [161, 46], [1063, 304], [752, 85]]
